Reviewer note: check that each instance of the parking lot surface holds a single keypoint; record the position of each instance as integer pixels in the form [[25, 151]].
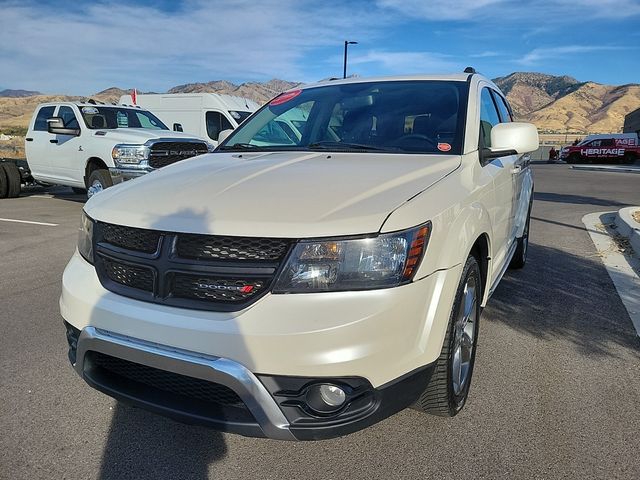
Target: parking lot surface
[[556, 389]]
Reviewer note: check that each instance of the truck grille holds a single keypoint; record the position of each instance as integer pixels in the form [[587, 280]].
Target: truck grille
[[162, 154], [204, 272]]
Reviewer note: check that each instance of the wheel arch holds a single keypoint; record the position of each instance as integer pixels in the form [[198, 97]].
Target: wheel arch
[[93, 163]]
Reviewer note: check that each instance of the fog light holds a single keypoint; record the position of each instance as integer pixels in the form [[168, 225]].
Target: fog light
[[325, 398], [332, 395]]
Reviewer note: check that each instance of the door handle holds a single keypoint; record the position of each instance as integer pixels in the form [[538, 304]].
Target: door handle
[[53, 140], [516, 169], [28, 139]]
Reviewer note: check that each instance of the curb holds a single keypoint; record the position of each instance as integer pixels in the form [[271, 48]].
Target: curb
[[628, 227], [607, 168]]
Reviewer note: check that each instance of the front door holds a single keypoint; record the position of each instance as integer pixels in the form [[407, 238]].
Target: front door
[[66, 162]]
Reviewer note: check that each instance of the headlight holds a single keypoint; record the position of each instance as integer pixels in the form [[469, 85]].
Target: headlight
[[129, 154], [85, 238], [387, 260]]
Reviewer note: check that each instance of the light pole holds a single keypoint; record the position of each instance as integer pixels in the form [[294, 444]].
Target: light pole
[[346, 43]]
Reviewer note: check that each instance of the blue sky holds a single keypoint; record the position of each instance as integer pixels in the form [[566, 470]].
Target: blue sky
[[83, 47]]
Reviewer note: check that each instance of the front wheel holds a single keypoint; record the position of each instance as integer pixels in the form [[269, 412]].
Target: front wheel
[[449, 384], [98, 181]]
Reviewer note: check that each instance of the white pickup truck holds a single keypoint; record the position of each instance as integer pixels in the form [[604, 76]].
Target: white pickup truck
[[90, 146], [306, 289]]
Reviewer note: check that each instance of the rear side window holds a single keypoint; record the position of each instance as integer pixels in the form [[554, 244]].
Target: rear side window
[[488, 117], [505, 114], [44, 113], [216, 122], [68, 117]]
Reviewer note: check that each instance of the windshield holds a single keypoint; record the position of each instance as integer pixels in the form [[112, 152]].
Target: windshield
[[239, 116], [120, 117], [395, 117]]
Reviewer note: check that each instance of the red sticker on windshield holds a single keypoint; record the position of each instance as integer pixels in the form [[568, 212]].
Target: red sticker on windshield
[[444, 147], [285, 97]]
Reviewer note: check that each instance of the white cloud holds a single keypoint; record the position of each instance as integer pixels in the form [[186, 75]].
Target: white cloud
[[538, 55], [501, 11], [97, 45], [405, 62]]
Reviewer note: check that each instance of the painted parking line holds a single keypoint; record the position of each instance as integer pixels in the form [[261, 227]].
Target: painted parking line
[[28, 222]]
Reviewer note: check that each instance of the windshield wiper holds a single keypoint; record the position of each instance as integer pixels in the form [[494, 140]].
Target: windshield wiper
[[240, 146], [329, 145]]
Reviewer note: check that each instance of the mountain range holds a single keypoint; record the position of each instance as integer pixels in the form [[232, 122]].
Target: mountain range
[[552, 103]]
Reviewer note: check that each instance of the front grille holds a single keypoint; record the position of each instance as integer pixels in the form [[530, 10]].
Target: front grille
[[215, 289], [167, 381], [162, 154], [203, 272], [138, 239], [128, 275], [231, 248]]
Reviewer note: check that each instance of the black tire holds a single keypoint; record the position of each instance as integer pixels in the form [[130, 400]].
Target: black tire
[[440, 397], [79, 191], [14, 179], [98, 181], [574, 158], [520, 256], [4, 183], [629, 158]]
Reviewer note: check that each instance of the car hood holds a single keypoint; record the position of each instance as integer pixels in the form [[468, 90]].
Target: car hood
[[282, 194], [139, 135]]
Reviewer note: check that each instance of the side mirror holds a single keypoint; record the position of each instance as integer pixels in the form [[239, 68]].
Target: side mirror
[[222, 136], [177, 127], [514, 138], [56, 125]]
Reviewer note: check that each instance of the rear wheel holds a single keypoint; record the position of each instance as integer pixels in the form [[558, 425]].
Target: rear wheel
[[14, 179], [98, 181], [449, 384], [520, 256], [4, 183]]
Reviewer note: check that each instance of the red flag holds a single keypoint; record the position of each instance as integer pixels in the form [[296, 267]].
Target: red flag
[[134, 96]]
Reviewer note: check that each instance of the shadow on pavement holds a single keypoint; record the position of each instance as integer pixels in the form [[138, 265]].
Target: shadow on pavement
[[575, 199], [62, 193], [562, 295], [142, 445]]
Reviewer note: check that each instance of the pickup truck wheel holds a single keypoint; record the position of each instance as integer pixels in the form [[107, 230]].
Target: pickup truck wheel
[[520, 256], [98, 181], [4, 183], [14, 179], [448, 386]]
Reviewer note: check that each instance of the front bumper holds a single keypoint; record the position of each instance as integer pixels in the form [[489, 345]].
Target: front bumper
[[378, 342], [265, 407], [121, 174]]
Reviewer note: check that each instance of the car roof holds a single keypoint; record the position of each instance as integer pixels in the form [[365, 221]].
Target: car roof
[[456, 77]]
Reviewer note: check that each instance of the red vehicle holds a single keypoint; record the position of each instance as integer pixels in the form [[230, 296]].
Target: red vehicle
[[603, 148]]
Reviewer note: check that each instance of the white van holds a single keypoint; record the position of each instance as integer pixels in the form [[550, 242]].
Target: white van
[[201, 114]]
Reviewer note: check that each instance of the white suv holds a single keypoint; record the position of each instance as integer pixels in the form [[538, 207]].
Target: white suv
[[306, 290], [90, 146]]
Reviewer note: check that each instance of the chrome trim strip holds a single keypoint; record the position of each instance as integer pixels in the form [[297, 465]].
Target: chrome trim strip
[[215, 369]]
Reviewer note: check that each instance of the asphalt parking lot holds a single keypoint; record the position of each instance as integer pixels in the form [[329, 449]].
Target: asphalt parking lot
[[556, 390]]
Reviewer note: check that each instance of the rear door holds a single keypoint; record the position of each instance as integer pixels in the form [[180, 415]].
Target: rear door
[[501, 170], [37, 146]]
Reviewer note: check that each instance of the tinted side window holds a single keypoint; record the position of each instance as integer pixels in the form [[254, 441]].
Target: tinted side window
[[44, 113], [505, 114], [69, 118], [488, 117], [216, 122], [607, 143]]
